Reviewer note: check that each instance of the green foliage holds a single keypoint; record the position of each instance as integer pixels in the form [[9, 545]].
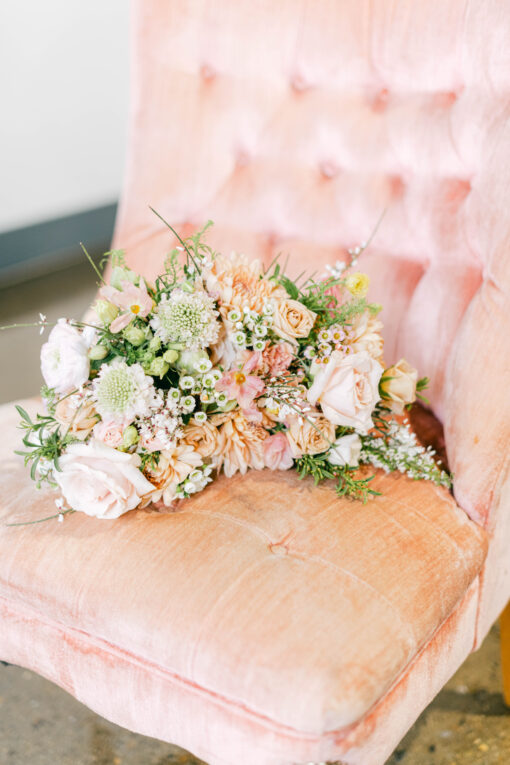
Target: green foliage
[[348, 484], [43, 440]]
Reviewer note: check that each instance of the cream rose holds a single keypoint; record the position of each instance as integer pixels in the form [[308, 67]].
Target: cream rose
[[347, 389], [398, 386], [100, 481], [310, 435], [346, 451], [365, 335], [292, 319], [77, 414]]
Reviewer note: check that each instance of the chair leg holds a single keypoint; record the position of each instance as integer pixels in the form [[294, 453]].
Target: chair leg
[[505, 652]]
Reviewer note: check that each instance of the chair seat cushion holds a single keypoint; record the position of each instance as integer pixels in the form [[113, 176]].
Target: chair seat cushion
[[263, 591]]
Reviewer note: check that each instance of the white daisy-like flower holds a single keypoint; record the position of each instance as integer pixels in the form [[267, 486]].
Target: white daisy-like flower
[[123, 392], [187, 382], [209, 380], [188, 404], [173, 394], [203, 365], [188, 318]]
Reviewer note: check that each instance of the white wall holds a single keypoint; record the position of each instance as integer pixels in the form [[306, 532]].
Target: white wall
[[63, 106]]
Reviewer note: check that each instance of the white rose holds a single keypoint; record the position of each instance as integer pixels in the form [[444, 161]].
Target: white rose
[[65, 364], [347, 389], [345, 451], [100, 481]]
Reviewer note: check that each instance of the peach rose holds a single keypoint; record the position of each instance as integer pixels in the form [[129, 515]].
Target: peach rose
[[100, 481], [311, 435], [77, 414], [277, 358], [347, 389], [203, 437], [292, 319], [365, 335], [398, 386]]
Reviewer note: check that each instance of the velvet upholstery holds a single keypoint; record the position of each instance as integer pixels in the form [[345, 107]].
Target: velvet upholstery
[[269, 623], [293, 609]]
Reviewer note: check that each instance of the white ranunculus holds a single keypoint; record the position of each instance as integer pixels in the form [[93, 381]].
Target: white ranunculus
[[65, 364], [100, 481], [345, 451], [347, 389]]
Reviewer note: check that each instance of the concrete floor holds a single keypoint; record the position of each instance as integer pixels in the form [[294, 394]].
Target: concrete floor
[[467, 723]]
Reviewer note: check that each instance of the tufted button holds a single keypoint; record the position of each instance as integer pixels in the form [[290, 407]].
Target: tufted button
[[207, 72], [242, 158], [379, 100], [278, 549], [272, 240], [396, 185], [299, 83], [446, 99], [329, 169]]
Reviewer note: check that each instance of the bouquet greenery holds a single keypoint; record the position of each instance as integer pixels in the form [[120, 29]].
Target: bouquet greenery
[[219, 365]]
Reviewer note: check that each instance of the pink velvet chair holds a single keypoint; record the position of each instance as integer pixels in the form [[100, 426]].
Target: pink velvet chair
[[269, 622]]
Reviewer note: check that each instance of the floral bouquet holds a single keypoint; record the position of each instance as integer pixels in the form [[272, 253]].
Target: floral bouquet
[[217, 366]]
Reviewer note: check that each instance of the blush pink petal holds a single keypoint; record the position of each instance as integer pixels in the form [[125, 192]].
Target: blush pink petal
[[121, 322], [252, 387], [277, 453]]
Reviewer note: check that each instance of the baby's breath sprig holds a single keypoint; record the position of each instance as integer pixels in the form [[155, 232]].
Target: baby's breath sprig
[[341, 267], [394, 446]]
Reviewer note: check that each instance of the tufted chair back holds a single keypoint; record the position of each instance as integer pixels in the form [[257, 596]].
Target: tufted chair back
[[294, 124]]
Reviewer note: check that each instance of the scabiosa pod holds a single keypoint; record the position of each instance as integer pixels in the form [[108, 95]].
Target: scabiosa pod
[[188, 318], [122, 392]]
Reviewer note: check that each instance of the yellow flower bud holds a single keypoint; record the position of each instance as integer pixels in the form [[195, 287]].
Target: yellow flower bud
[[130, 437], [357, 284]]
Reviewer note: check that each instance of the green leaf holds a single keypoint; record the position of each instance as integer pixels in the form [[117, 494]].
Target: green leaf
[[23, 414]]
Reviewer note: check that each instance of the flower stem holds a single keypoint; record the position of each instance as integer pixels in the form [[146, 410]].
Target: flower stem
[[42, 520]]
